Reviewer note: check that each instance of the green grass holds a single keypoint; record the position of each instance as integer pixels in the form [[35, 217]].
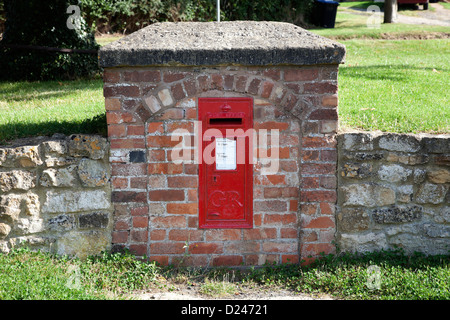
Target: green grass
[[446, 5], [38, 276], [355, 26], [395, 86], [44, 108]]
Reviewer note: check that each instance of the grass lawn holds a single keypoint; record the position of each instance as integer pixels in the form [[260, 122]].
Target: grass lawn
[[37, 276]]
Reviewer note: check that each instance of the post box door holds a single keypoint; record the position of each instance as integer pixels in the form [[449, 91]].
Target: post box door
[[225, 171]]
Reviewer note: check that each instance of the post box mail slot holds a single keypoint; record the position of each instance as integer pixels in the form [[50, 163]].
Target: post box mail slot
[[225, 171]]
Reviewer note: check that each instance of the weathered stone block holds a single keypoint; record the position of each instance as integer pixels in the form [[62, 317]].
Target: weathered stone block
[[431, 193], [439, 176], [439, 144], [58, 147], [29, 225], [92, 173], [366, 242], [10, 206], [394, 173], [356, 170], [64, 177], [27, 156], [352, 220], [70, 201], [437, 231], [93, 147], [62, 222], [17, 179], [358, 141], [83, 244], [93, 220], [5, 229], [405, 193], [397, 214], [399, 142], [367, 194]]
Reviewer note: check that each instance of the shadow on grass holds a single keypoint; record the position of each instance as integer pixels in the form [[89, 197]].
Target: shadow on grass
[[384, 72], [95, 125], [23, 90]]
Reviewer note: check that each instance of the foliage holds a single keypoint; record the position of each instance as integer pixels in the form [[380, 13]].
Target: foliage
[[126, 16], [44, 24]]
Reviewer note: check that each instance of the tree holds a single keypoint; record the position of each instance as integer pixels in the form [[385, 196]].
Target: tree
[[35, 31], [390, 11]]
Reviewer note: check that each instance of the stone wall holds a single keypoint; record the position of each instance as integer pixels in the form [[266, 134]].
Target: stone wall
[[55, 195], [393, 191]]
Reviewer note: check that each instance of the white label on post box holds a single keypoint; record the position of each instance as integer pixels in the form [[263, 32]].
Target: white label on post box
[[225, 154]]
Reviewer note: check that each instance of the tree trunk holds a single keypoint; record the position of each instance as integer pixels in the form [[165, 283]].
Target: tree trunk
[[390, 11]]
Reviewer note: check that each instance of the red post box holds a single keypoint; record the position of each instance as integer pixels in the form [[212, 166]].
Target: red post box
[[226, 157]]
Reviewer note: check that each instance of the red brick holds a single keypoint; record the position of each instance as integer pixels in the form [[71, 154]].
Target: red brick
[[192, 195], [284, 219], [272, 192], [163, 141], [276, 179], [290, 258], [118, 130], [118, 117], [142, 76], [166, 195], [301, 74], [178, 92], [126, 91], [131, 169], [288, 233], [241, 83], [260, 234], [136, 130], [112, 104], [156, 235], [271, 125], [253, 87], [319, 223], [138, 183], [139, 211], [127, 143], [279, 247], [310, 182], [203, 83], [138, 249], [270, 206], [167, 248], [162, 260], [121, 225], [171, 76], [182, 208], [171, 114], [327, 208], [293, 205], [310, 155], [318, 196], [128, 196], [328, 182], [318, 168], [190, 86], [288, 139], [182, 182], [318, 142], [323, 114], [119, 236], [266, 89], [223, 235], [205, 248], [216, 81], [272, 73], [191, 113], [314, 249], [288, 166], [320, 88], [168, 222], [111, 76], [140, 222], [330, 101], [155, 127], [156, 155], [185, 235], [119, 183], [184, 125], [139, 235], [309, 208], [227, 261]]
